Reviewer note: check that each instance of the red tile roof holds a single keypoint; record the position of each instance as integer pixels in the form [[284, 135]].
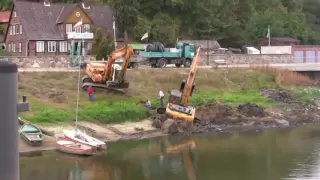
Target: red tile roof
[[4, 17]]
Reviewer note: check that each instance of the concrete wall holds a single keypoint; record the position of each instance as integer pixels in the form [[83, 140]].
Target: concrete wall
[[42, 62], [62, 61], [247, 59]]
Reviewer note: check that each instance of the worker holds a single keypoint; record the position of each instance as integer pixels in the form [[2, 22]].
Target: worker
[[90, 93], [148, 104], [161, 97]]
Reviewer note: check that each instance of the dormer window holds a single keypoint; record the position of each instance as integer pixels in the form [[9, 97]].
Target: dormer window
[[47, 4], [85, 7]]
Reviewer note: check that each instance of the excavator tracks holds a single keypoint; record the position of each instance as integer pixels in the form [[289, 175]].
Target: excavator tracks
[[86, 82]]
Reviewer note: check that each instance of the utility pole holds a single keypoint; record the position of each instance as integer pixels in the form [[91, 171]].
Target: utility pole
[[114, 31], [9, 108]]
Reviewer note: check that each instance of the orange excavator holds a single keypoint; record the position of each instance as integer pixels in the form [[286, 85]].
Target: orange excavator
[[108, 75], [177, 107]]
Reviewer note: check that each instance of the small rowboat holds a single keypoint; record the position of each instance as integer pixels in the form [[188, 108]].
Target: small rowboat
[[70, 147], [31, 134]]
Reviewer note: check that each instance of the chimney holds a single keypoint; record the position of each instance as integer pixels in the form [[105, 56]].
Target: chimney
[[46, 3], [85, 4]]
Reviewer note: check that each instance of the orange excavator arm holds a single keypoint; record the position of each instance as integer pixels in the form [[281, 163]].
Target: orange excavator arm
[[125, 52], [188, 86], [186, 155], [188, 165]]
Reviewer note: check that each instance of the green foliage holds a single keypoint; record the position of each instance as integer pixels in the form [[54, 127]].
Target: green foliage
[[282, 24], [113, 112], [102, 44], [164, 28], [244, 21]]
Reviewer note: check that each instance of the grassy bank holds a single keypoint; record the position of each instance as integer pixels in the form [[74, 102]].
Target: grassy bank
[[53, 95]]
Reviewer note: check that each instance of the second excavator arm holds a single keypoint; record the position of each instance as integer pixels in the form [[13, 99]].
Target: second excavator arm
[[189, 83]]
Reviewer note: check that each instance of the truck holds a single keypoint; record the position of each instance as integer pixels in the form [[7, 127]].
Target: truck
[[159, 57]]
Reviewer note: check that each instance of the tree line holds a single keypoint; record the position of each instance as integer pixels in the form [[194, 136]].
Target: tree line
[[237, 21]]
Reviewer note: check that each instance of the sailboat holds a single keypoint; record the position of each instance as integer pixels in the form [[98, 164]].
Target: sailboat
[[76, 135]]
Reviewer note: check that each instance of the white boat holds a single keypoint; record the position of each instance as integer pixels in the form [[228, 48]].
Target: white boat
[[82, 137]]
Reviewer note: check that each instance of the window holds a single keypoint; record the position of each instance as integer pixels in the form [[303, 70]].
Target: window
[[52, 46], [298, 56], [86, 28], [9, 49], [17, 29], [14, 14], [310, 56], [20, 29], [20, 46], [13, 47], [79, 30], [10, 29], [68, 28], [13, 29], [89, 46], [63, 46], [40, 46]]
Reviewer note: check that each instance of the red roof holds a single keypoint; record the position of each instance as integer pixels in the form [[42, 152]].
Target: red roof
[[4, 17]]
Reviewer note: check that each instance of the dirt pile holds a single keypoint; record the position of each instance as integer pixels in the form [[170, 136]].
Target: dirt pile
[[214, 112], [57, 96], [251, 110], [278, 95]]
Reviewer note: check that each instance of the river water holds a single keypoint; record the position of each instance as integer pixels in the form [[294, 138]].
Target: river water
[[287, 154]]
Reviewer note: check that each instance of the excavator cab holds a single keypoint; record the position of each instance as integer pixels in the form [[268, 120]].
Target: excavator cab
[[183, 83], [175, 97]]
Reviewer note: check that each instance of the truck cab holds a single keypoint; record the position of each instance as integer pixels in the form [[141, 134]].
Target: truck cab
[[187, 50]]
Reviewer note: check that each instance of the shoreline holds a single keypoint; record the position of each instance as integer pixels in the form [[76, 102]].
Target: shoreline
[[49, 144], [216, 118]]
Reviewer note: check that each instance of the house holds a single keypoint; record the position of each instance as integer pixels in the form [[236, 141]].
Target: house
[[44, 28], [279, 41], [4, 19]]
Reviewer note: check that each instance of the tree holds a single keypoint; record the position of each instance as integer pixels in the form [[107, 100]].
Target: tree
[[102, 44], [164, 29], [126, 12]]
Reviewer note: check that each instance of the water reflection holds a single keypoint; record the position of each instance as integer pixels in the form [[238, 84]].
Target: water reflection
[[283, 155]]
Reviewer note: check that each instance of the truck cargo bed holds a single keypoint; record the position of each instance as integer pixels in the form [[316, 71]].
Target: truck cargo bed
[[160, 54]]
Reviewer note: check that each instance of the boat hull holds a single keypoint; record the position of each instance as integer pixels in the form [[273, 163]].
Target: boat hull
[[74, 148]]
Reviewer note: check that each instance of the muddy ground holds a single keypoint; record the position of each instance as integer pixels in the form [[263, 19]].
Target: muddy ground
[[219, 117]]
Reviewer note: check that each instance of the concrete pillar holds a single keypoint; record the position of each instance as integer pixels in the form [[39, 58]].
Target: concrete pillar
[[9, 108], [9, 156]]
